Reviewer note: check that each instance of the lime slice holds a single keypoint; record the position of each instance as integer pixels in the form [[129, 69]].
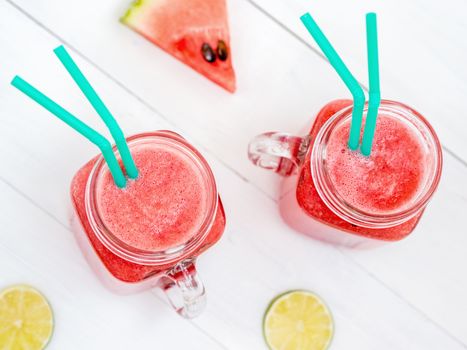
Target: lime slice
[[26, 320], [298, 320]]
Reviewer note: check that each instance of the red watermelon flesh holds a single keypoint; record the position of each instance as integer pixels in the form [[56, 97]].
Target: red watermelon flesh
[[194, 31]]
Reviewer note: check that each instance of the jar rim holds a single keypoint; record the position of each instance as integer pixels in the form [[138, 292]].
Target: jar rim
[[359, 217], [152, 257]]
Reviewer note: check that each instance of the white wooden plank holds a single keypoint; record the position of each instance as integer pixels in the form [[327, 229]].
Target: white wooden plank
[[263, 257], [280, 87], [422, 55], [282, 259], [428, 268]]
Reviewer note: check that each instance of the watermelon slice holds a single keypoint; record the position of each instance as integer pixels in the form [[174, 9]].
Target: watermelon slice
[[194, 31]]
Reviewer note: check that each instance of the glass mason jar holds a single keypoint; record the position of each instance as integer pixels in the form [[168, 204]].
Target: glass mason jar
[[126, 269], [310, 203]]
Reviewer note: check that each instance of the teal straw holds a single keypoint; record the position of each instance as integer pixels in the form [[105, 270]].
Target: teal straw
[[92, 135], [373, 73], [100, 108], [347, 77]]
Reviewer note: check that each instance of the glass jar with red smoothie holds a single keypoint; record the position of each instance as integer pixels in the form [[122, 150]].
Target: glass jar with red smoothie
[[149, 234], [340, 196]]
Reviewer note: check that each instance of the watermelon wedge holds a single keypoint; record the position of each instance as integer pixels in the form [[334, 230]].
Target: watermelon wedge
[[194, 31]]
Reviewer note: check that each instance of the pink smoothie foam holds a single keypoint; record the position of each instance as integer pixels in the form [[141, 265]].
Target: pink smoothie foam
[[364, 182], [387, 180], [163, 208]]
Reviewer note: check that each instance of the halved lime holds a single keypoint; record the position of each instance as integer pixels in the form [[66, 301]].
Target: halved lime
[[298, 320], [26, 319]]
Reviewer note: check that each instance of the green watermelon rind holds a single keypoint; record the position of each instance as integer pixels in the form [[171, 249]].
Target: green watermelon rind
[[133, 10]]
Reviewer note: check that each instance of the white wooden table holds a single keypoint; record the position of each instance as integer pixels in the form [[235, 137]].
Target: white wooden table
[[407, 295]]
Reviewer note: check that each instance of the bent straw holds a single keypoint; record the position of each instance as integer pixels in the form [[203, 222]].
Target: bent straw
[[92, 135], [347, 77], [373, 73], [100, 108]]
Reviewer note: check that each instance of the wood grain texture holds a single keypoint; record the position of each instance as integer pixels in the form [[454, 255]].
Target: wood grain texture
[[408, 295]]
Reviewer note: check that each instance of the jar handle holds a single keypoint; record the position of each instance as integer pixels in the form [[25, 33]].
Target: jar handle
[[184, 289], [278, 151]]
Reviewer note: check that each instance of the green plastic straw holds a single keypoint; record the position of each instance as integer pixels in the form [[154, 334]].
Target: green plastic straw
[[92, 135], [341, 69], [373, 73], [100, 108]]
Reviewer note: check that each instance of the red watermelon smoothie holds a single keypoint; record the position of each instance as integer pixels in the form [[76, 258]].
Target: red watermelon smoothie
[[389, 179], [134, 236], [337, 195], [162, 209]]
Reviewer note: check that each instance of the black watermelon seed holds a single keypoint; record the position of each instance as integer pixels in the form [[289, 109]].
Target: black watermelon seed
[[208, 53], [222, 51]]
